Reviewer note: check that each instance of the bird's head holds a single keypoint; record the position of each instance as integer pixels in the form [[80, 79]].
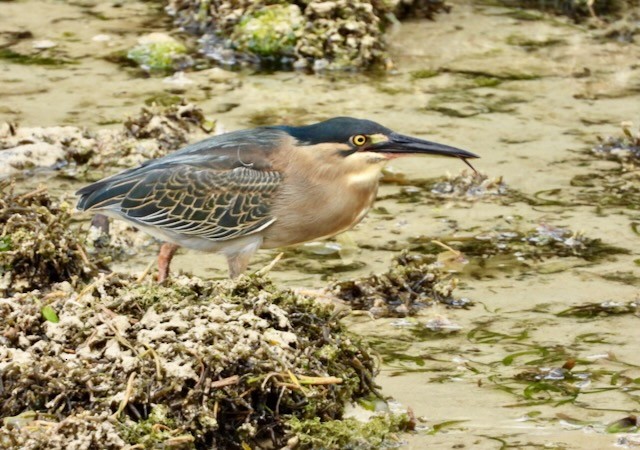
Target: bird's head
[[364, 142]]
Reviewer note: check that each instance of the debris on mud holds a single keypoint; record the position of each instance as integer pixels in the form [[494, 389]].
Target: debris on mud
[[618, 187], [313, 35], [576, 9], [533, 245], [609, 189], [168, 126], [624, 148], [37, 247], [191, 363], [413, 282], [601, 309], [87, 155], [469, 185], [465, 186]]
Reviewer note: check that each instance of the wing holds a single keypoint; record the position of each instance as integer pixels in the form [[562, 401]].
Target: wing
[[202, 202], [220, 188], [215, 205]]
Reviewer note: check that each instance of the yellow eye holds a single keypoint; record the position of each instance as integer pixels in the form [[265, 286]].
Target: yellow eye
[[358, 140]]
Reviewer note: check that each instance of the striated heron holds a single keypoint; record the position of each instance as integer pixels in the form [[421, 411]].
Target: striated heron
[[261, 188]]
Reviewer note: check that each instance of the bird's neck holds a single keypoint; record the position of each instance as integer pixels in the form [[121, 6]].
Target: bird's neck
[[360, 170]]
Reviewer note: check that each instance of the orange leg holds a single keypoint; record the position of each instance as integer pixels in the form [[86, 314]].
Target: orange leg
[[167, 251]]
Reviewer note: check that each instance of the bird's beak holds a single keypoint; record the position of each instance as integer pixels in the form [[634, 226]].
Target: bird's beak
[[398, 144], [401, 144]]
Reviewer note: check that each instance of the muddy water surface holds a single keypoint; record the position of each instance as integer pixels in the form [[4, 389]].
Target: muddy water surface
[[530, 97]]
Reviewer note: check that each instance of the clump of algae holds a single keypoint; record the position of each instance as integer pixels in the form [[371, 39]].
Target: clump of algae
[[542, 242], [466, 186], [413, 282], [37, 247], [624, 148], [618, 187], [349, 433], [188, 364]]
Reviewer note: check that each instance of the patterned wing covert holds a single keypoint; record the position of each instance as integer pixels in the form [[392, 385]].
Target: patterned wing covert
[[215, 205]]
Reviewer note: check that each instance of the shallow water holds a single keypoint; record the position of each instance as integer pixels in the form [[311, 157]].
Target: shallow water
[[474, 388]]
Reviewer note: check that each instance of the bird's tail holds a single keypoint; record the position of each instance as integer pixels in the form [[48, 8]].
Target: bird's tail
[[105, 193]]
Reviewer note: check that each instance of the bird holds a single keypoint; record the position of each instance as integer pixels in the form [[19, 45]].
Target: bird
[[266, 187]]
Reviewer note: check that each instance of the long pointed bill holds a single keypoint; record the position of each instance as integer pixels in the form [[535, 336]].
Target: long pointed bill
[[400, 144]]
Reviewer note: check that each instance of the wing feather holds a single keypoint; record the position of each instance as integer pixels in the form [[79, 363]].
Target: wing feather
[[219, 188], [212, 204]]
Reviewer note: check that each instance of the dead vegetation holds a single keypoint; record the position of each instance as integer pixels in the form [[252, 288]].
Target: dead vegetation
[[191, 363], [413, 282], [37, 247]]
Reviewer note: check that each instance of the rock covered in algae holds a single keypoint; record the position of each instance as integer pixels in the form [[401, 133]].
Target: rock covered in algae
[[191, 363], [37, 246], [270, 31], [153, 133], [322, 35], [159, 52], [413, 282]]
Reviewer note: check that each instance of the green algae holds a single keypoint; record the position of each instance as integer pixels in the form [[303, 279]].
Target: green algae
[[157, 430], [5, 243], [510, 75], [14, 57], [601, 309], [377, 432], [556, 373], [486, 81], [163, 99], [269, 32], [424, 73], [158, 55], [629, 424], [529, 44]]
